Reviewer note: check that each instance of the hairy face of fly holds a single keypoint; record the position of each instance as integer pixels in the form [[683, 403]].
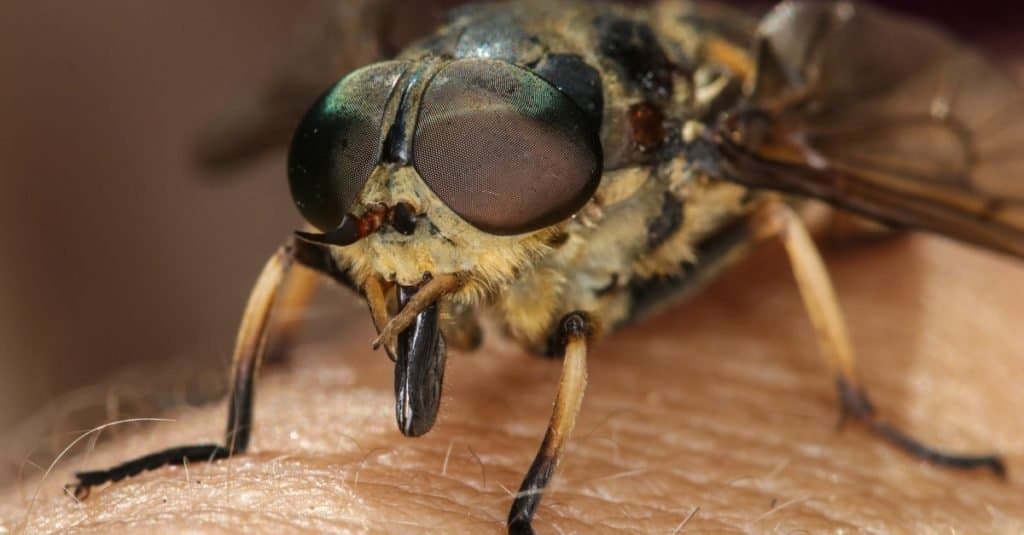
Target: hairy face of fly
[[444, 167], [439, 242]]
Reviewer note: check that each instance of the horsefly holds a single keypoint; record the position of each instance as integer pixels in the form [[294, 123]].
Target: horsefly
[[492, 165]]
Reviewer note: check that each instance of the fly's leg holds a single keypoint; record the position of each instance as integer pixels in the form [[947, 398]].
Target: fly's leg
[[313, 262], [574, 330], [250, 347], [460, 328], [775, 219], [297, 291], [419, 350]]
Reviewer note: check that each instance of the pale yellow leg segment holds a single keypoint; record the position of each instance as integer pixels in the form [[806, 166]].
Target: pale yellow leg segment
[[250, 346], [297, 292], [574, 329], [774, 218]]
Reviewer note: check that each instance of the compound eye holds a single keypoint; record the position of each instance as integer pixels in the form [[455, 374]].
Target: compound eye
[[337, 144], [503, 148]]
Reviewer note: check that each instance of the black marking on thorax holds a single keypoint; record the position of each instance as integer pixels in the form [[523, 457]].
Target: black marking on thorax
[[666, 222], [647, 294], [578, 80], [634, 50]]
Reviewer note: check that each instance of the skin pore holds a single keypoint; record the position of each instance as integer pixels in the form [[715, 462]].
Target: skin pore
[[720, 405]]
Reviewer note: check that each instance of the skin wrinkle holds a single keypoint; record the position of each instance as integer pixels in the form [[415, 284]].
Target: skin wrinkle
[[699, 406]]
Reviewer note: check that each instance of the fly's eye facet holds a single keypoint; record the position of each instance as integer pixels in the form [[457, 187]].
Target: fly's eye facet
[[337, 144], [503, 148]]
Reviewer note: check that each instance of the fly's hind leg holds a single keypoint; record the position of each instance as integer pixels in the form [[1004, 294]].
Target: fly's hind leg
[[775, 219], [574, 330], [250, 346]]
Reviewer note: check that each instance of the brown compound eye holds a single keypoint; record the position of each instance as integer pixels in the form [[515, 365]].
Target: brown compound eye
[[337, 144], [503, 148]]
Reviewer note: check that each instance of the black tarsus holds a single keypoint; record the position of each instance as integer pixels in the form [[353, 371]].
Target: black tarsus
[[520, 517], [172, 456], [855, 405], [920, 451], [239, 426]]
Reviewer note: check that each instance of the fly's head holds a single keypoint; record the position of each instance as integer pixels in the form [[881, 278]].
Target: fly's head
[[437, 167]]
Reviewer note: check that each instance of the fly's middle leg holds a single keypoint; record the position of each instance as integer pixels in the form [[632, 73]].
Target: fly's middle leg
[[773, 218]]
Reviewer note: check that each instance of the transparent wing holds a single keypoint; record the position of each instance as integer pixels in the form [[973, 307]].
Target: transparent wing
[[888, 116]]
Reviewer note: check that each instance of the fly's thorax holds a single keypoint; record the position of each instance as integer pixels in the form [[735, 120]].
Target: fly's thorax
[[440, 242]]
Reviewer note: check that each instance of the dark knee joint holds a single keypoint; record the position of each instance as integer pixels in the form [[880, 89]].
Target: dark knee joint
[[574, 325]]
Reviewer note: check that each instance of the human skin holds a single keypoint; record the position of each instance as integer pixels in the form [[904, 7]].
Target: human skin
[[721, 405]]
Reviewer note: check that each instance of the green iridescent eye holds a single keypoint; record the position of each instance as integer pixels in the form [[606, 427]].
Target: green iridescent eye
[[337, 144], [503, 148]]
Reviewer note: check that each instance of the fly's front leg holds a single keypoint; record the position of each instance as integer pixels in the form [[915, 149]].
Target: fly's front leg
[[574, 330], [250, 346], [775, 219]]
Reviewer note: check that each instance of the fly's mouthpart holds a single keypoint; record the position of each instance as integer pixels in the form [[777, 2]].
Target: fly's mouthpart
[[402, 217], [427, 294], [419, 367], [413, 337]]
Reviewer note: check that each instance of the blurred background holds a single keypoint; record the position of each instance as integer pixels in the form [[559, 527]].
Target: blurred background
[[124, 263]]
